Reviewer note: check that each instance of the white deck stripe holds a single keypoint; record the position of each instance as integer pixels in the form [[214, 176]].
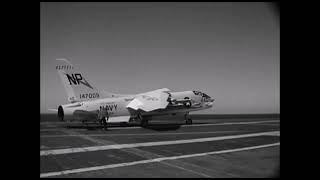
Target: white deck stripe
[[57, 129], [184, 125], [159, 143], [233, 123], [152, 160], [135, 134]]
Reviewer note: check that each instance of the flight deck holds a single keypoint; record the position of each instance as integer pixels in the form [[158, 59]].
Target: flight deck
[[210, 147]]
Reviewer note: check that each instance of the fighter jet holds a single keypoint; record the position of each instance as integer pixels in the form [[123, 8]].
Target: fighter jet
[[88, 104]]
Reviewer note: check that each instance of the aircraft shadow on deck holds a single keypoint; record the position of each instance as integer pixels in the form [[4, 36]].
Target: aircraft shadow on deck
[[156, 127], [163, 127]]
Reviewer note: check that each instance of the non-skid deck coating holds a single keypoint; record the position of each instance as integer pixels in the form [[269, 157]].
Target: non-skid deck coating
[[181, 154]]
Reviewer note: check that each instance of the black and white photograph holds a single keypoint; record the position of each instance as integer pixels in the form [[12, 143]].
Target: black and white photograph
[[159, 90]]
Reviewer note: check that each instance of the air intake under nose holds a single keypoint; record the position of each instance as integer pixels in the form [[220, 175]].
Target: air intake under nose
[[209, 104]]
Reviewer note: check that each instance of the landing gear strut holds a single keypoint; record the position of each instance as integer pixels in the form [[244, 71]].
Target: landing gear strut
[[143, 121], [104, 122], [103, 117], [187, 118]]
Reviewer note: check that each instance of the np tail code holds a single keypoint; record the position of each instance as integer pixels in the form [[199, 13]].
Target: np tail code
[[76, 79]]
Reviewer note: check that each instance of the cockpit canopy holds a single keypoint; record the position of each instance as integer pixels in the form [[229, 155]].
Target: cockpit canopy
[[201, 94], [204, 96]]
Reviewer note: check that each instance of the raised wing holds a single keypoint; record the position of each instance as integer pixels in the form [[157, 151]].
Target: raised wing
[[150, 101]]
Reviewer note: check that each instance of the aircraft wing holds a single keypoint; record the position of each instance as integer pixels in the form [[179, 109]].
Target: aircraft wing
[[150, 101]]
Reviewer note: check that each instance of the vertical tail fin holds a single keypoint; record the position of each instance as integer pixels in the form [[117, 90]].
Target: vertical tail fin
[[77, 87]]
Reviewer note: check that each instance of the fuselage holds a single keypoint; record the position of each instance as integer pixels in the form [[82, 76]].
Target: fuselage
[[117, 106]]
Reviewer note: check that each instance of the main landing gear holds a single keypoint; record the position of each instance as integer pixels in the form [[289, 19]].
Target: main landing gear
[[103, 117], [187, 118], [143, 121], [104, 122]]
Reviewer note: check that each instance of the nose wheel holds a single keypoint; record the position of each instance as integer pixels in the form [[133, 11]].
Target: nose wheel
[[188, 119]]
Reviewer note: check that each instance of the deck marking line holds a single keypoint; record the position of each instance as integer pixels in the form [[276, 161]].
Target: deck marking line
[[183, 125], [71, 171], [157, 143], [139, 134], [233, 123]]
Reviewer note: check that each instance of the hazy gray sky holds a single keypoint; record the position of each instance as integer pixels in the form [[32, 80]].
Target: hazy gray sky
[[231, 51]]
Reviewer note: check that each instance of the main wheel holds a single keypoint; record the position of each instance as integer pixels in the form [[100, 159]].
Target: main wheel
[[123, 124], [144, 122], [189, 121]]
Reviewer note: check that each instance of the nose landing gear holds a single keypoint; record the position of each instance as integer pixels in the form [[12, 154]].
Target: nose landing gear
[[188, 118]]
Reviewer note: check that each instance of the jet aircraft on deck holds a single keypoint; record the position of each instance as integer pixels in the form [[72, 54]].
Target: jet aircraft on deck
[[87, 103]]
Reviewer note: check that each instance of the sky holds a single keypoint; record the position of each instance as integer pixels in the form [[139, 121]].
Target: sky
[[230, 51]]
